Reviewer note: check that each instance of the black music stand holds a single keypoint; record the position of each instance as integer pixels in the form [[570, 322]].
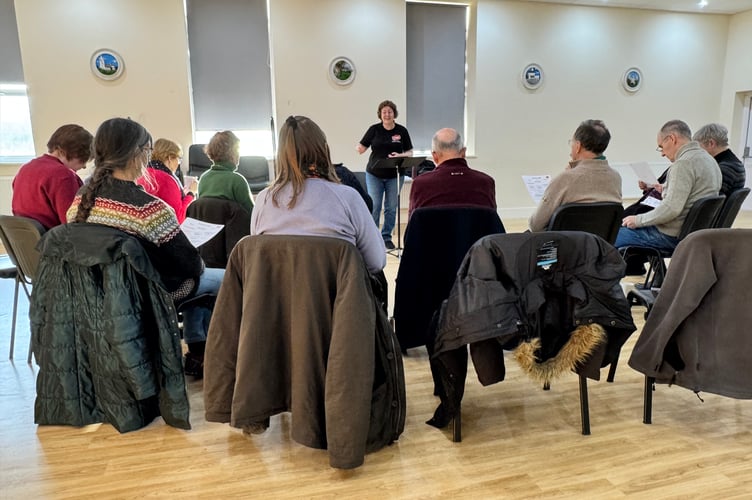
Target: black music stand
[[401, 164]]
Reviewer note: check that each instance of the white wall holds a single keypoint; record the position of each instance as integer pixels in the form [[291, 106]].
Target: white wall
[[307, 35], [57, 40], [584, 52]]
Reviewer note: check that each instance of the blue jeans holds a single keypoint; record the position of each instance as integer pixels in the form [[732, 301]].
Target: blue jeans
[[196, 319], [384, 191], [645, 237]]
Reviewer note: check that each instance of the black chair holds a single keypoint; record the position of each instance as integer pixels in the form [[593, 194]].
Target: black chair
[[731, 208], [256, 171], [236, 221], [702, 215], [361, 176], [198, 162], [436, 241], [602, 219], [20, 236]]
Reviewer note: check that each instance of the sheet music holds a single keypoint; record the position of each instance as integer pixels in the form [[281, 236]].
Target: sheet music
[[644, 173], [651, 202], [199, 232], [536, 185]]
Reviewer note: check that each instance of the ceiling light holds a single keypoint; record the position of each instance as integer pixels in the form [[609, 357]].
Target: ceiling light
[[702, 4]]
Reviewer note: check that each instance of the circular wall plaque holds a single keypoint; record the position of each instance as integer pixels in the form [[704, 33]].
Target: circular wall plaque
[[342, 71], [107, 64], [632, 80], [532, 76]]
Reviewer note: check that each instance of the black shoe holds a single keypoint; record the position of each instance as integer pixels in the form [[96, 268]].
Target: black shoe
[[389, 245], [635, 269], [194, 365]]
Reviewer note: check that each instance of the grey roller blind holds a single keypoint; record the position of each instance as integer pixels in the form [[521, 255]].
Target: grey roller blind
[[229, 53], [435, 70], [11, 68]]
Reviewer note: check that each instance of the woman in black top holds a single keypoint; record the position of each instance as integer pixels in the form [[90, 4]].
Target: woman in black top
[[386, 139]]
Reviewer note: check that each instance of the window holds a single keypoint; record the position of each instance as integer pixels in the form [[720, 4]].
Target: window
[[16, 141], [436, 46], [230, 72]]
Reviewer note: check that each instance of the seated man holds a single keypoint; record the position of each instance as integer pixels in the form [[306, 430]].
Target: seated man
[[587, 179], [713, 138], [693, 175], [44, 188], [452, 183]]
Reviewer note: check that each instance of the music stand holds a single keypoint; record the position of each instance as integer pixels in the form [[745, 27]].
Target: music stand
[[400, 165]]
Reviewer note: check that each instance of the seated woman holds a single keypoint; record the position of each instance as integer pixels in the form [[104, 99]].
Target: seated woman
[[122, 149], [307, 198], [222, 180], [160, 179]]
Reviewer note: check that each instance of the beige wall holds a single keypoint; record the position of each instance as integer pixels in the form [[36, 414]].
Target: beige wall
[[307, 35], [737, 79], [688, 74], [58, 39], [584, 51]]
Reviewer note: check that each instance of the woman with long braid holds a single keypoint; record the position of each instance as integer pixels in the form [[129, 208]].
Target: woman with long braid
[[122, 149], [308, 199]]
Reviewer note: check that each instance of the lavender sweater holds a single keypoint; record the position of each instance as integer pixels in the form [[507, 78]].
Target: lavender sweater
[[323, 208]]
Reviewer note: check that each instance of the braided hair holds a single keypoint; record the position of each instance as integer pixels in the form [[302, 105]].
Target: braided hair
[[303, 153], [117, 142]]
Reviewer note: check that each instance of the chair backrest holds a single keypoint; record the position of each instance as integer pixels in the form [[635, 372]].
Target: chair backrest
[[731, 208], [436, 241], [600, 218], [198, 162], [237, 222], [256, 171], [702, 215], [20, 236], [361, 176]]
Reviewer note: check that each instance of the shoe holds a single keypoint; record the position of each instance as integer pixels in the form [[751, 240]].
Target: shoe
[[635, 270], [194, 365], [389, 245]]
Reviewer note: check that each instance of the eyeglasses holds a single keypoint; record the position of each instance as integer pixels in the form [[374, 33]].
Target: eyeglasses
[[660, 144]]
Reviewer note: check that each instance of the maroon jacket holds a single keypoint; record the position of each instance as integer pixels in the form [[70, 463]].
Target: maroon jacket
[[453, 184]]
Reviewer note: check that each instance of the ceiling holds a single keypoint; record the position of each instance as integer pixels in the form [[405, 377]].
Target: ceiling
[[712, 7]]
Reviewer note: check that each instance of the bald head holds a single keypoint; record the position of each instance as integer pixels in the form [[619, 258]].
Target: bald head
[[447, 144]]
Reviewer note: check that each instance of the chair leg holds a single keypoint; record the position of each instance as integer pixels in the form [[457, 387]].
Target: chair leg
[[584, 409], [612, 369], [13, 323], [28, 296], [546, 385], [647, 408], [457, 426]]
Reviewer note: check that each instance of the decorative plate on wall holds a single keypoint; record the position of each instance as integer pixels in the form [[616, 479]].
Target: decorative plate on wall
[[107, 64], [632, 80], [532, 76], [342, 71]]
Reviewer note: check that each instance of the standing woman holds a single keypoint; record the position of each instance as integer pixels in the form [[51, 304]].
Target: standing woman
[[307, 198], [160, 180], [386, 139], [122, 149], [222, 180]]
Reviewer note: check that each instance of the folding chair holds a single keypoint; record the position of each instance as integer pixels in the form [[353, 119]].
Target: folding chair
[[731, 208], [20, 236]]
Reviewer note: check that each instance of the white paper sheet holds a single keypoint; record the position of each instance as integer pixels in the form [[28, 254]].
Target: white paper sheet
[[644, 173], [536, 185], [199, 232], [651, 202]]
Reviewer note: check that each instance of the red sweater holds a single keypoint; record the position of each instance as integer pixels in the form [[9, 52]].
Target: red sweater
[[43, 189], [164, 185]]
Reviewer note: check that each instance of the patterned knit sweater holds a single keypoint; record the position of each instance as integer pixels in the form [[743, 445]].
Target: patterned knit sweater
[[126, 206]]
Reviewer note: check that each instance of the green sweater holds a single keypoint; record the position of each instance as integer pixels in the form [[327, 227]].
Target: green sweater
[[221, 181]]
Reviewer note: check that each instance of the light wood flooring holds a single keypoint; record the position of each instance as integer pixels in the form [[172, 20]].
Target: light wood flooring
[[518, 442]]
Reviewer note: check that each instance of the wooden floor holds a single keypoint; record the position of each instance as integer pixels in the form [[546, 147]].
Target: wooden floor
[[519, 442]]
